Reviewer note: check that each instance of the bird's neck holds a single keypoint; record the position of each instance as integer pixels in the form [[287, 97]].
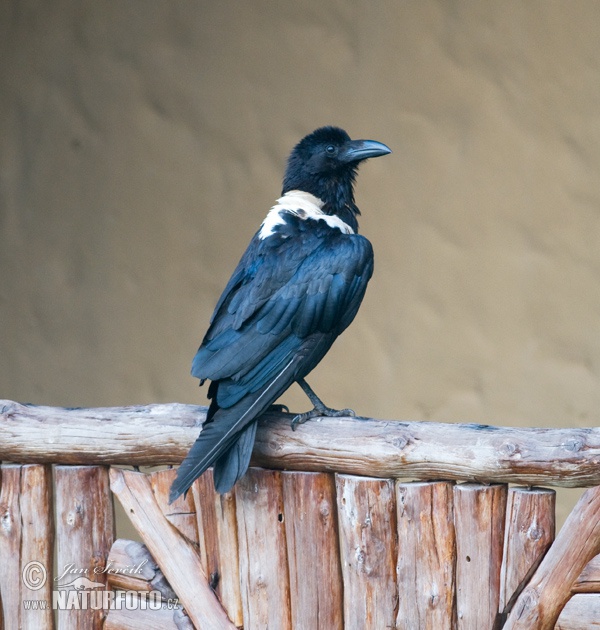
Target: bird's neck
[[337, 197]]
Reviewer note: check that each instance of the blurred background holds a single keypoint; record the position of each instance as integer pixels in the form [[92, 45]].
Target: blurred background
[[143, 142]]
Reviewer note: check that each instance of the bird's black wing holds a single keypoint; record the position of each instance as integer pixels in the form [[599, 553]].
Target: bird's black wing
[[284, 306], [286, 292]]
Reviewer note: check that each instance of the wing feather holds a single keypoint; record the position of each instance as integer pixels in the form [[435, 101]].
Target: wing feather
[[269, 310]]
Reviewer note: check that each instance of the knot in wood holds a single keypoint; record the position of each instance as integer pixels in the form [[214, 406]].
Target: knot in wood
[[6, 521], [534, 532], [360, 556], [324, 509], [74, 515], [398, 442], [260, 582], [527, 602], [508, 449], [8, 410], [574, 445]]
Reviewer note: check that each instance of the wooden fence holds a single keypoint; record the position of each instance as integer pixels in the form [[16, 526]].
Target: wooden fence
[[327, 533]]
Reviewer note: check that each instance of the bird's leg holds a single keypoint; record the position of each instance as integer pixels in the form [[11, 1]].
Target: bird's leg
[[320, 409], [278, 409]]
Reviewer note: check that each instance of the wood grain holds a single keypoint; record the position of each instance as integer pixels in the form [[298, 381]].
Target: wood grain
[[540, 604], [174, 554], [229, 583], [162, 434], [130, 567], [367, 525], [37, 543], [10, 546], [217, 533], [84, 535], [589, 580], [264, 574], [529, 532], [479, 514], [582, 612], [182, 512], [426, 556], [313, 551]]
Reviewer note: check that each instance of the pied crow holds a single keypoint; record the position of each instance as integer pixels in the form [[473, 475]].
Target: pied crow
[[296, 288]]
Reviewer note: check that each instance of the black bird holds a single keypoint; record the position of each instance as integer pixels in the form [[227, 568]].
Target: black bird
[[297, 287]]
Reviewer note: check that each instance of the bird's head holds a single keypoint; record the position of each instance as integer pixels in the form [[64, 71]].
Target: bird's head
[[325, 163]]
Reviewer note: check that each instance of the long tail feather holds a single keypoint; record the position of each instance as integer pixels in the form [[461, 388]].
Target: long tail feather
[[219, 435], [234, 463]]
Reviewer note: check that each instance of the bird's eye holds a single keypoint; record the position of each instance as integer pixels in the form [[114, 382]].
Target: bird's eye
[[331, 150]]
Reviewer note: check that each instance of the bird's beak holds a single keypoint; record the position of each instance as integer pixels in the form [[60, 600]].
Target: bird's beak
[[357, 150]]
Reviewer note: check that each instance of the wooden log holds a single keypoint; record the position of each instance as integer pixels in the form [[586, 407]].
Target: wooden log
[[589, 580], [529, 532], [148, 435], [229, 589], [10, 546], [479, 514], [37, 545], [174, 554], [163, 434], [130, 567], [311, 533], [581, 612], [539, 605], [367, 524], [264, 574], [181, 513], [206, 522], [217, 532], [132, 615], [426, 556], [84, 533]]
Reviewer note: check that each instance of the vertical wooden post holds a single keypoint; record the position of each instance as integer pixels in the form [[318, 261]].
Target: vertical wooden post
[[85, 532], [10, 545], [26, 546], [264, 574], [229, 582], [367, 525], [530, 527], [426, 556], [206, 519], [313, 550], [37, 546], [542, 600], [217, 534], [479, 514]]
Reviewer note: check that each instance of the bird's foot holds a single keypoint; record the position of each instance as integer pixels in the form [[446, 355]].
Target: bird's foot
[[317, 412]]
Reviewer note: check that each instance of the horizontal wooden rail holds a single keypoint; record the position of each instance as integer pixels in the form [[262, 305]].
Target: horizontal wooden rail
[[162, 434]]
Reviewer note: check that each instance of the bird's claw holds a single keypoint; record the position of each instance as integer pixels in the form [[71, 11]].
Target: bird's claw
[[301, 418], [325, 412]]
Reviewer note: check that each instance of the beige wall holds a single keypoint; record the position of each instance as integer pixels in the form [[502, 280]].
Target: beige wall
[[142, 143]]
